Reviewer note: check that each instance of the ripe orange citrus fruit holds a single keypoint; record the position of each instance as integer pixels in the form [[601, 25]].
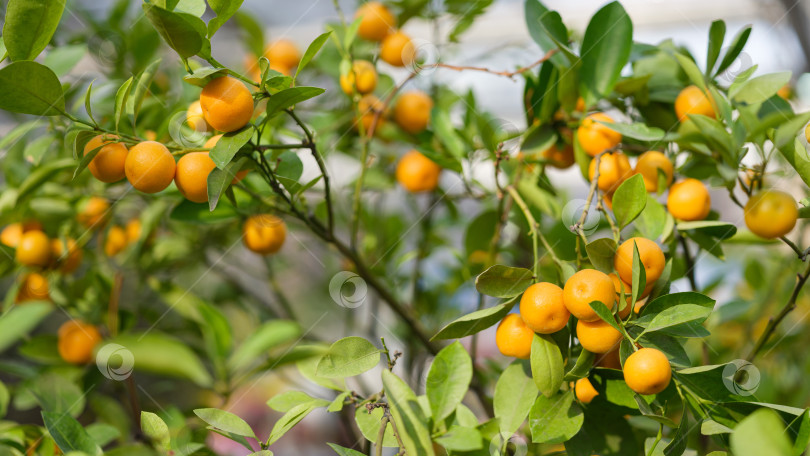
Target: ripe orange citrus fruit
[[264, 234], [513, 337], [150, 167], [559, 156], [226, 103], [133, 230], [771, 214], [609, 360], [417, 173], [647, 371], [68, 259], [412, 111], [116, 241], [93, 213], [585, 391], [595, 137], [598, 336], [650, 254], [34, 249], [362, 78], [689, 200], [614, 168], [11, 234], [195, 119], [542, 308], [77, 340], [692, 100], [283, 55], [585, 287], [376, 23], [33, 287], [397, 49], [648, 165], [108, 164], [191, 176], [369, 106]]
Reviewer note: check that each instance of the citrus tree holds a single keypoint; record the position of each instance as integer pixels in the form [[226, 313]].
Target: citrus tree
[[177, 230]]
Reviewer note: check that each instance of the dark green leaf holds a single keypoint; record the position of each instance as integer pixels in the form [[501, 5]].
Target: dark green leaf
[[202, 76], [601, 253], [605, 51], [68, 434], [224, 9], [229, 144], [31, 88], [629, 200], [717, 33], [121, 97], [190, 212], [503, 281], [220, 179], [734, 49], [555, 419], [639, 274], [287, 98], [185, 33], [582, 366], [29, 26], [474, 322]]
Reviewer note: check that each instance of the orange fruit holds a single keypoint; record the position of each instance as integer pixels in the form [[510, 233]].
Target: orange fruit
[[692, 100], [513, 337], [648, 165], [397, 49], [133, 230], [77, 340], [93, 213], [34, 249], [585, 287], [376, 23], [283, 55], [68, 259], [369, 106], [771, 214], [195, 119], [226, 104], [650, 254], [598, 336], [108, 164], [116, 241], [585, 391], [212, 141], [647, 371], [542, 308], [689, 200], [560, 156], [362, 78], [11, 234], [33, 287], [412, 111], [417, 173], [785, 92], [264, 233], [596, 138], [609, 360], [191, 176], [150, 135], [614, 168], [624, 287], [150, 167], [251, 64]]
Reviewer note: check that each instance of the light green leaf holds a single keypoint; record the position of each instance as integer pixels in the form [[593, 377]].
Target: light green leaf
[[69, 435], [503, 281], [547, 364], [555, 419], [311, 51], [474, 322], [160, 354], [18, 321], [29, 26], [288, 98], [448, 379], [183, 32], [515, 393], [229, 144], [121, 97], [261, 340], [31, 88], [408, 415], [629, 200], [605, 51], [155, 429], [760, 88], [348, 357], [225, 421], [762, 433], [224, 9]]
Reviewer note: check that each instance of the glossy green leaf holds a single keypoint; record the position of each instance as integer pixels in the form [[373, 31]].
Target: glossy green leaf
[[737, 45], [220, 179], [547, 364], [229, 144], [629, 200], [183, 32], [605, 51], [224, 9], [311, 51], [31, 88], [448, 380], [474, 322], [29, 25], [503, 281], [555, 419]]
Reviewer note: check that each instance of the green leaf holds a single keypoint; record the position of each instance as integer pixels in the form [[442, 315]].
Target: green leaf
[[474, 322], [343, 451], [691, 70], [88, 108], [448, 379], [31, 88], [229, 144], [290, 97], [443, 129], [581, 367], [786, 140], [369, 425], [121, 97], [711, 427], [601, 253], [547, 30], [185, 33], [224, 9], [156, 430], [717, 32], [502, 281], [714, 228], [290, 419], [605, 51], [547, 364], [408, 415], [159, 354], [555, 419], [40, 176], [676, 315], [311, 51], [18, 321], [677, 445], [68, 434], [605, 314], [225, 421], [629, 200], [639, 274], [760, 88], [62, 59], [202, 76], [802, 439], [220, 179], [641, 132], [141, 88], [253, 32], [348, 357], [515, 393], [760, 433], [29, 26], [265, 337], [284, 402], [56, 394], [37, 148], [5, 397], [662, 303], [289, 169], [460, 438], [199, 213], [737, 45]]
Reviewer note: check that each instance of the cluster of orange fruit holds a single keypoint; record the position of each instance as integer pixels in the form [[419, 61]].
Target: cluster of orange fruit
[[546, 308]]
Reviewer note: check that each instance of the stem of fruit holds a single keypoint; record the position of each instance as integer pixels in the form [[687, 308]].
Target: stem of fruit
[[774, 321], [378, 447], [588, 201], [244, 79], [536, 234]]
